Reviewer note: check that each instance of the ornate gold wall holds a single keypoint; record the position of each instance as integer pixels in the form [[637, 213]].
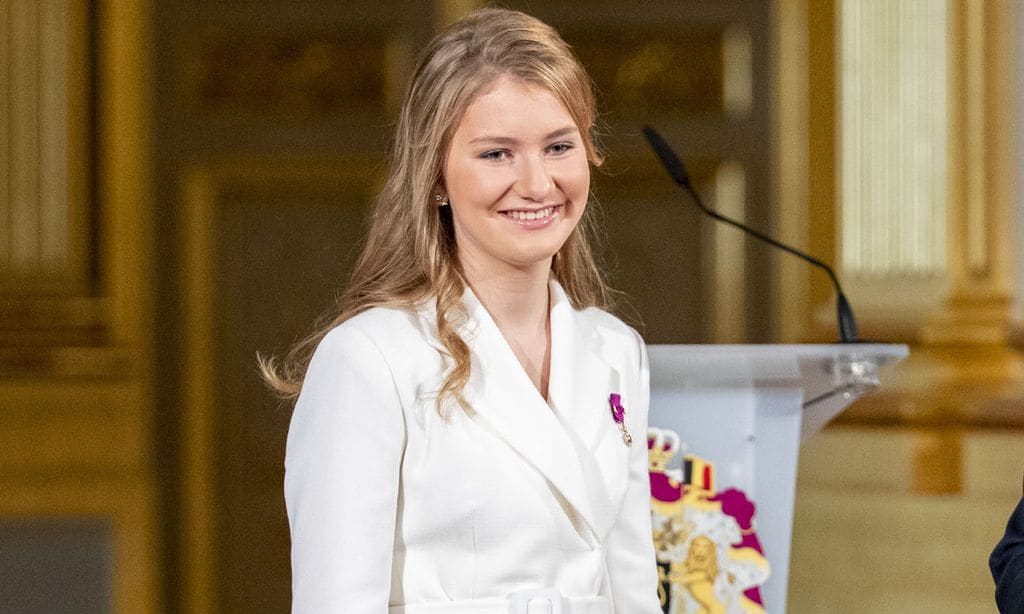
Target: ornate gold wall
[[902, 501], [76, 424]]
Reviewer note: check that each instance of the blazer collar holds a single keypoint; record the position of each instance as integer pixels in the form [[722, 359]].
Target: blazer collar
[[579, 386], [555, 437]]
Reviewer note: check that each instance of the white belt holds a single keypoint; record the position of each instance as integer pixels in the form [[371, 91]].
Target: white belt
[[540, 601]]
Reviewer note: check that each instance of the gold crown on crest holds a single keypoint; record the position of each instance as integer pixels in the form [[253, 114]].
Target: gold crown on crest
[[662, 445]]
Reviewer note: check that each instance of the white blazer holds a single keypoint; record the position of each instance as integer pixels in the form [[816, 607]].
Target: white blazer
[[393, 507]]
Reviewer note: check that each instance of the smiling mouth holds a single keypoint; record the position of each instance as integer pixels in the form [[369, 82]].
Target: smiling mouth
[[535, 217]]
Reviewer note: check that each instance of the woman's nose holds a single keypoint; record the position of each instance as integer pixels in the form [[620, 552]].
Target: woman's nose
[[534, 181]]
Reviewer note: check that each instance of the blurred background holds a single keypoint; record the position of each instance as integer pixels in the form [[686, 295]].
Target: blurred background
[[184, 183]]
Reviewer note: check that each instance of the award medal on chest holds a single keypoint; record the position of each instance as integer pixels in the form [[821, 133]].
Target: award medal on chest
[[619, 415]]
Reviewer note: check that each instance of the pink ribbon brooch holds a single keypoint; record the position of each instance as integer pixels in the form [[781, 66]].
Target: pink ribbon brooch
[[619, 415]]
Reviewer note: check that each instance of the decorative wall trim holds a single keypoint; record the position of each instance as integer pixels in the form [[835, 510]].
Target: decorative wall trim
[[725, 265], [791, 303], [203, 187], [932, 265], [297, 75], [126, 504], [45, 230], [980, 190]]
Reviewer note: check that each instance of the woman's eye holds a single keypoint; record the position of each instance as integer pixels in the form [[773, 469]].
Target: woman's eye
[[559, 148], [496, 155]]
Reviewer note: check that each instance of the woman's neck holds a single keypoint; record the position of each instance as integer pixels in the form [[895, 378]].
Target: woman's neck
[[517, 301], [519, 304]]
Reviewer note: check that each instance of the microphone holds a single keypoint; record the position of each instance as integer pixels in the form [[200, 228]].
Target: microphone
[[676, 170]]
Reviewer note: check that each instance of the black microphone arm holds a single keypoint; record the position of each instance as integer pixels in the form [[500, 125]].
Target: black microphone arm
[[676, 170]]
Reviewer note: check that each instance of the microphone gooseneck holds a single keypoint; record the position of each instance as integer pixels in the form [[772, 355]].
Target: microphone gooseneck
[[676, 170]]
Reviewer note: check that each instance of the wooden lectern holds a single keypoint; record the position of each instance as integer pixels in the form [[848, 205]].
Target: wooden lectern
[[748, 408]]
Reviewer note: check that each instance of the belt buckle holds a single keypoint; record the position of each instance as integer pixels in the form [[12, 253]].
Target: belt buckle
[[519, 601]]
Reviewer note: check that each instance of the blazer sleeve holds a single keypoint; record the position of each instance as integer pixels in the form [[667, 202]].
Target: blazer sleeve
[[1007, 564], [342, 471], [632, 569]]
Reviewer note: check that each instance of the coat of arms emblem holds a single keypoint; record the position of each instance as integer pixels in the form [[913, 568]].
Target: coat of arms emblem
[[710, 560]]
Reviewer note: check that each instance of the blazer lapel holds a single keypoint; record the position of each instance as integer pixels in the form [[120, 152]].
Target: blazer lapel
[[580, 385], [580, 381], [501, 395], [571, 440]]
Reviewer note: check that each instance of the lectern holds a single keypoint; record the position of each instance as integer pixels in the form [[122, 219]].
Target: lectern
[[747, 408]]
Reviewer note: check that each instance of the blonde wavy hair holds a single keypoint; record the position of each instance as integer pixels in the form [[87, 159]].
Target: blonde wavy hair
[[410, 254]]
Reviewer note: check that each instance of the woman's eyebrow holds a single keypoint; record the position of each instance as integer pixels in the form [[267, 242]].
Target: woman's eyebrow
[[507, 140]]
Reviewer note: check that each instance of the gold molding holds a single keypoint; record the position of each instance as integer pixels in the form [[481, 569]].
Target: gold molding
[[293, 74], [981, 190], [726, 261], [125, 503], [53, 320], [78, 155], [202, 187], [58, 430], [45, 231], [76, 386], [125, 189], [968, 300], [972, 71], [961, 375], [199, 192], [790, 165], [126, 186], [637, 69], [822, 85], [66, 362]]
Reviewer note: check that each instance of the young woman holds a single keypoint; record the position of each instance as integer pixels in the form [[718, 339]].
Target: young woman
[[470, 432]]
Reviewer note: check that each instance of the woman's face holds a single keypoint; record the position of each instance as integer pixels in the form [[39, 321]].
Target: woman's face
[[517, 177]]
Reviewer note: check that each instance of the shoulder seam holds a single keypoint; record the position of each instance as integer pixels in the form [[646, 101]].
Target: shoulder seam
[[391, 373]]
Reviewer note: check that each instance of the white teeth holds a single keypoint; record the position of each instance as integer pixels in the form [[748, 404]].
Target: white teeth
[[532, 215]]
